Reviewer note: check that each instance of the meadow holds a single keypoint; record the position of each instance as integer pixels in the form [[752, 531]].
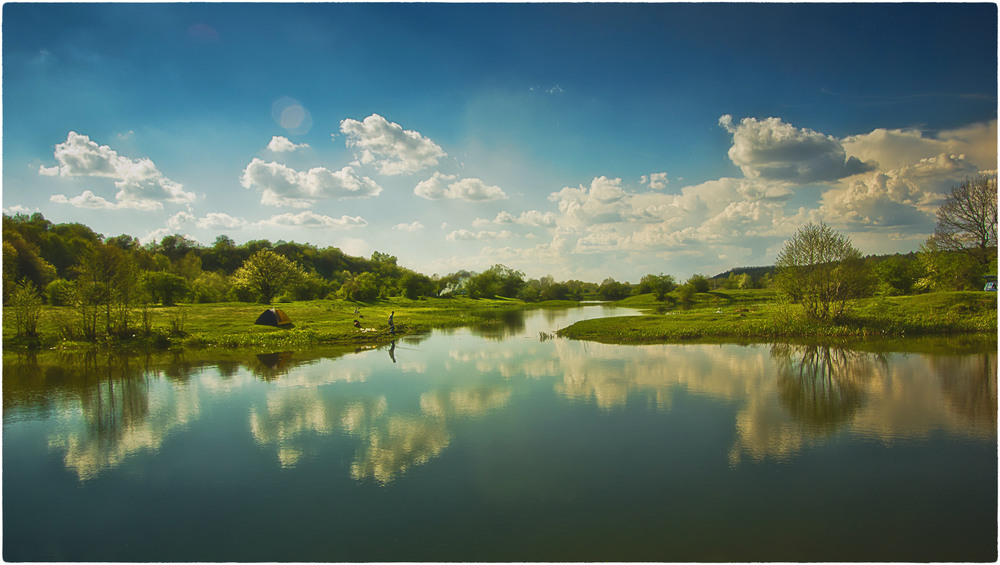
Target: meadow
[[765, 314], [723, 314]]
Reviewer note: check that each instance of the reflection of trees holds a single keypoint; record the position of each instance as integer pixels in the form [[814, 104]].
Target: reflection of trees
[[970, 386], [498, 325], [823, 385]]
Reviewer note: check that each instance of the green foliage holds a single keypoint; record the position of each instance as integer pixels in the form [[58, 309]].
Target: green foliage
[[611, 289], [820, 268], [266, 274], [27, 306], [209, 287], [699, 283], [498, 280], [166, 288], [415, 285], [60, 292], [659, 285], [943, 270]]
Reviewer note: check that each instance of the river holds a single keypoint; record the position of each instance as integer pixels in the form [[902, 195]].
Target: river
[[506, 444]]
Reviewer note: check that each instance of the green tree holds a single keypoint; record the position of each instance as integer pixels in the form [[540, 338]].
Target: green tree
[[27, 306], [658, 285], [165, 287], [698, 283], [822, 269], [611, 289], [266, 274]]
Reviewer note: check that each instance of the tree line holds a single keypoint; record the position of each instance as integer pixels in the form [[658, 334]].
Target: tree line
[[106, 277]]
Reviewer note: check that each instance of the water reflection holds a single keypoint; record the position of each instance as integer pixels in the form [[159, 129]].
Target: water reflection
[[398, 414]]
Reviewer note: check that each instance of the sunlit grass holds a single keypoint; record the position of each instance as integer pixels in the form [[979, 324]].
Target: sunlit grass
[[744, 317]]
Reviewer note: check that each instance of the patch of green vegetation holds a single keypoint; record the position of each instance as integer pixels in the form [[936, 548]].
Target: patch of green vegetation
[[231, 324], [735, 315]]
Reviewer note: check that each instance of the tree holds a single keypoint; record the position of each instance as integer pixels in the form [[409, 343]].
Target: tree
[[822, 269], [166, 287], [967, 221], [659, 285], [699, 283], [611, 289], [266, 274]]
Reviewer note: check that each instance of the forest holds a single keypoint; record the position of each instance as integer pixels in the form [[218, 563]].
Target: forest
[[58, 260]]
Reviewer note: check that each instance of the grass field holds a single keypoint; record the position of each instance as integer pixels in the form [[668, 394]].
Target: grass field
[[763, 315], [231, 324], [729, 314]]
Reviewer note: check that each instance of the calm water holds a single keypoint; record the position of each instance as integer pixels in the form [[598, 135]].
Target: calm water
[[497, 445]]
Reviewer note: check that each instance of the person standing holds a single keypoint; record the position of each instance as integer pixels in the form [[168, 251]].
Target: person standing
[[392, 326]]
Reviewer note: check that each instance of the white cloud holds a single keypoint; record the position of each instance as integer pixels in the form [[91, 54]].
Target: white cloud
[[440, 186], [90, 200], [532, 218], [309, 219], [390, 148], [281, 144], [655, 181], [212, 220], [773, 150], [19, 209], [140, 184], [220, 220], [284, 186], [179, 220], [411, 227], [466, 235]]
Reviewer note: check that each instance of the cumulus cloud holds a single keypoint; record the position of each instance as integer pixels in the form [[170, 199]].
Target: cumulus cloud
[[219, 220], [655, 181], [284, 186], [140, 184], [309, 219], [533, 218], [212, 220], [773, 150], [411, 227], [466, 235], [281, 144], [441, 186], [897, 148], [390, 148], [90, 200]]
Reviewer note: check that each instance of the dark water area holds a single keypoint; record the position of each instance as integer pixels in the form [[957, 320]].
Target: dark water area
[[502, 444]]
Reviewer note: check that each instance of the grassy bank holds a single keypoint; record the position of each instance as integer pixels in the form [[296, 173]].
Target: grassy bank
[[763, 315], [231, 325]]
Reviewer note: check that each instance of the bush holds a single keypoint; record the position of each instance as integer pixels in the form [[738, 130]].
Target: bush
[[60, 292], [27, 306]]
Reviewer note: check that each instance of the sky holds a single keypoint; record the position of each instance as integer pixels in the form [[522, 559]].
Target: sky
[[582, 141]]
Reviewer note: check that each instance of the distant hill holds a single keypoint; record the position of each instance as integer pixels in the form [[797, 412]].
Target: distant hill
[[757, 272]]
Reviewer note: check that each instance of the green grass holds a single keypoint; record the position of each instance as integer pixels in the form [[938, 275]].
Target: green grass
[[750, 316], [317, 322], [731, 314]]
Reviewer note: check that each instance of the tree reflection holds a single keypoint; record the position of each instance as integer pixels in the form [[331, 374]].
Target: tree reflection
[[823, 385], [969, 383]]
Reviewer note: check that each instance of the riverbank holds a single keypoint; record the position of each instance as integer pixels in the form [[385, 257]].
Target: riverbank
[[762, 315], [231, 324]]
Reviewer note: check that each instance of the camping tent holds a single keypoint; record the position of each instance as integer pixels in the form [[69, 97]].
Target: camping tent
[[274, 317]]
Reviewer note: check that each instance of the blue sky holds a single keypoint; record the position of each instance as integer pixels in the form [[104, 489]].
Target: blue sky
[[578, 140]]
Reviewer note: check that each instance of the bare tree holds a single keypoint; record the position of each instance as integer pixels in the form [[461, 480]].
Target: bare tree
[[967, 221]]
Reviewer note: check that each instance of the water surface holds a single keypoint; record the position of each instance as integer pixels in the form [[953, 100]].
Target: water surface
[[500, 444]]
